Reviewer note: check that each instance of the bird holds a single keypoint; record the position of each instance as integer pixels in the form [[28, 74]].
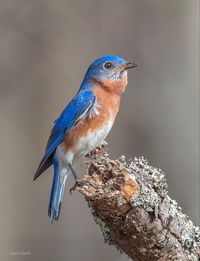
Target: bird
[[84, 124]]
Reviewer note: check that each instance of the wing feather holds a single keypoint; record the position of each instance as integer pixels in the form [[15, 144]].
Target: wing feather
[[77, 109]]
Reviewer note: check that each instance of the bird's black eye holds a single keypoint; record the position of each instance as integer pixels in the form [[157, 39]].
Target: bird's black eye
[[108, 65]]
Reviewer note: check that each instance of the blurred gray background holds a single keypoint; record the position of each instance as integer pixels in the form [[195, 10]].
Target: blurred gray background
[[45, 48]]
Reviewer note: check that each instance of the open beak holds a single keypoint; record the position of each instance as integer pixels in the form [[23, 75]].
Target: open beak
[[129, 65]]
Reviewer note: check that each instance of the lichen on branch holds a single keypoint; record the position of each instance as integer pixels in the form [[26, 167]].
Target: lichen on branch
[[130, 203]]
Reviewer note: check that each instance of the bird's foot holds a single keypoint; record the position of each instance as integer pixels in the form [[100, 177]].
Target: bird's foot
[[78, 183]]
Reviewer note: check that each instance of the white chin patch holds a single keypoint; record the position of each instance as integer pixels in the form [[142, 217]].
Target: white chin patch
[[124, 74]]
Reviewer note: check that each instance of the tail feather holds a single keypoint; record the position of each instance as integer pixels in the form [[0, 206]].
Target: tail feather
[[57, 190], [44, 164]]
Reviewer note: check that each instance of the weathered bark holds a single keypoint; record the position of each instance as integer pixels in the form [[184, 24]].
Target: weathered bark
[[130, 203]]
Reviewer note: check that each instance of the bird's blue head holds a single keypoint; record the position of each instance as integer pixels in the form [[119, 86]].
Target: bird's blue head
[[110, 71]]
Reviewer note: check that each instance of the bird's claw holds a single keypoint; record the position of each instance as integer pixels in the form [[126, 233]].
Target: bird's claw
[[78, 183]]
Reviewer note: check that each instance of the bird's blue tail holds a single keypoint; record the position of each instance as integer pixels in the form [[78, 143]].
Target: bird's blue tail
[[57, 190]]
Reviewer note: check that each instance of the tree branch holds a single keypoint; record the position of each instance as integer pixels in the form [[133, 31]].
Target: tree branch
[[130, 203]]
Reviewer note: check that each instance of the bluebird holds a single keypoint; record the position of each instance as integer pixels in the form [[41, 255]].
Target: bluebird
[[84, 124]]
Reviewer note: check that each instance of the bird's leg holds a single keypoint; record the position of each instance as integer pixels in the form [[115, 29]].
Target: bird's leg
[[78, 182]]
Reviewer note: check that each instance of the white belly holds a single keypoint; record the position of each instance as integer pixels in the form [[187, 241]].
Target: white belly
[[93, 139], [84, 144]]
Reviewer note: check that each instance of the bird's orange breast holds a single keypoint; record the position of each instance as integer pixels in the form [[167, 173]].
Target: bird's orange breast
[[106, 111]]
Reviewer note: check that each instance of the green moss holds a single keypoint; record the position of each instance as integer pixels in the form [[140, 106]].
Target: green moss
[[121, 201], [105, 231], [148, 198]]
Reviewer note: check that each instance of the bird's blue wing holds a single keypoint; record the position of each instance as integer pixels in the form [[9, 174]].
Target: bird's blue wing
[[75, 110]]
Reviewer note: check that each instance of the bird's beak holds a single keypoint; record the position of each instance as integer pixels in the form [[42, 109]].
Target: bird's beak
[[129, 65]]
